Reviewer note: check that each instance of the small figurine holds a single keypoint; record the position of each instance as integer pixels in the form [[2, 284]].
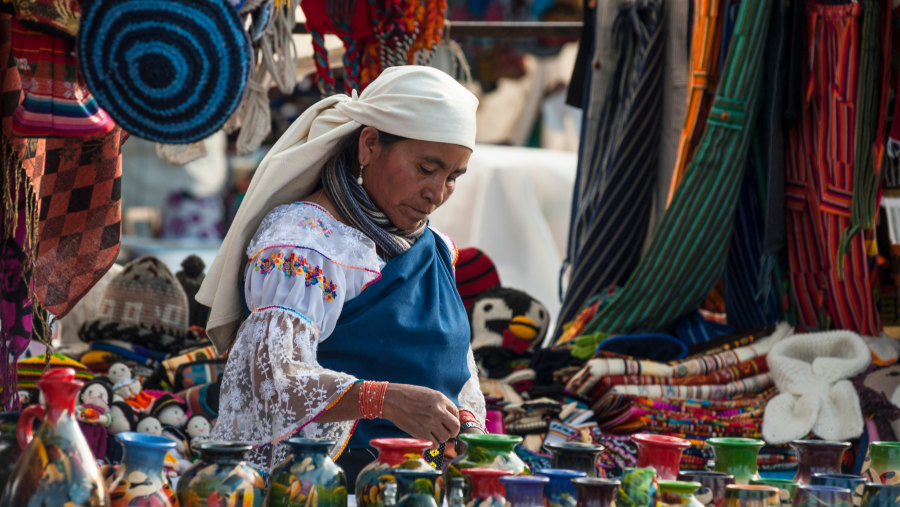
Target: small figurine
[[150, 425], [128, 388], [123, 420], [198, 428], [93, 414], [170, 410], [182, 451]]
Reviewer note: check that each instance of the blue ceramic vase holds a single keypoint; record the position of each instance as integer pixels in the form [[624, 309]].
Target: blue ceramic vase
[[307, 477], [560, 491], [854, 483], [139, 480], [808, 495], [416, 488], [881, 495], [525, 490]]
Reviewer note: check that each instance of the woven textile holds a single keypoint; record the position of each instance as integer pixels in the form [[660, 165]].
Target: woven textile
[[819, 182], [58, 18], [686, 256], [171, 71], [613, 188]]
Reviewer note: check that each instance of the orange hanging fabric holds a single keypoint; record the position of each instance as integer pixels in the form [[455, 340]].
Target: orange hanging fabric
[[706, 42]]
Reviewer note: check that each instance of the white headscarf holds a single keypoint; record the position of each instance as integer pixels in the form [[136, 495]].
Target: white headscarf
[[410, 101]]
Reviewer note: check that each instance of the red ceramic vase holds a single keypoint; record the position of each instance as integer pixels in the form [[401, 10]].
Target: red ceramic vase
[[660, 452], [487, 490]]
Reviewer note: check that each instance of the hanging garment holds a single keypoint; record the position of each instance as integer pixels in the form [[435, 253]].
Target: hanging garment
[[819, 182], [687, 254], [706, 40], [614, 187]]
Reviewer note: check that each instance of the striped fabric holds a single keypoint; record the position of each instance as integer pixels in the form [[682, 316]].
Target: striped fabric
[[819, 182], [687, 255], [706, 38], [613, 190], [749, 385]]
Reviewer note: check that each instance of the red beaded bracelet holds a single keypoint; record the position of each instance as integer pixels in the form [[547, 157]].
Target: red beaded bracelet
[[467, 416], [371, 399]]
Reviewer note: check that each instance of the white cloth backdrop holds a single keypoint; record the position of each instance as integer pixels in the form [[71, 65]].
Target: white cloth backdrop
[[514, 204]]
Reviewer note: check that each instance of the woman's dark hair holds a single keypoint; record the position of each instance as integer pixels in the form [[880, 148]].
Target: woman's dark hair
[[348, 148]]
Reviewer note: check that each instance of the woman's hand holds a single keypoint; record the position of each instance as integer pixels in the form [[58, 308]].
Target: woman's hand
[[421, 412]]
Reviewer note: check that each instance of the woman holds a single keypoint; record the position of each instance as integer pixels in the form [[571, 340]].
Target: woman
[[351, 327]]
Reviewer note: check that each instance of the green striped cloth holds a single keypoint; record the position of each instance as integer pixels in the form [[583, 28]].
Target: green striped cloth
[[687, 254]]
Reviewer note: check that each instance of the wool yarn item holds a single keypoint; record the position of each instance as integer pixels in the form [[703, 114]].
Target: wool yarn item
[[171, 71]]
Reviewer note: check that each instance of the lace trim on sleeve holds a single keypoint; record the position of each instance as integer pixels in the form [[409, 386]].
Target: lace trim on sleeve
[[470, 397]]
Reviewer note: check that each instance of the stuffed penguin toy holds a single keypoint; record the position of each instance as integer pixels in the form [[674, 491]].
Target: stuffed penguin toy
[[507, 326]]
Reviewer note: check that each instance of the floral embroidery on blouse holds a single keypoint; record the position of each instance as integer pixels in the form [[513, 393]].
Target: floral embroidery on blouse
[[316, 225], [297, 265]]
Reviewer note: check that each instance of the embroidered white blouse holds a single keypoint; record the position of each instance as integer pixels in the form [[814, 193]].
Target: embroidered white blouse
[[303, 265]]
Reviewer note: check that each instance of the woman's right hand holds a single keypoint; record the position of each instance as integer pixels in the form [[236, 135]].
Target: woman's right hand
[[421, 412]]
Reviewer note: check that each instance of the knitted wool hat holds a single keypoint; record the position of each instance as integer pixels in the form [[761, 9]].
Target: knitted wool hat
[[811, 372], [29, 370], [167, 400], [475, 273], [144, 304]]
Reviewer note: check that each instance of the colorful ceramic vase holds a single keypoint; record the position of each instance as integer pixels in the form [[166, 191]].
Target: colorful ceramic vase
[[221, 478], [487, 490], [678, 493], [854, 483], [405, 453], [818, 457], [576, 456], [139, 480], [56, 466], [737, 456], [744, 495], [307, 477], [456, 492], [525, 490], [416, 488], [786, 488], [560, 491], [9, 445], [884, 462], [711, 492], [490, 451], [808, 495], [660, 452], [638, 488], [881, 495], [595, 491]]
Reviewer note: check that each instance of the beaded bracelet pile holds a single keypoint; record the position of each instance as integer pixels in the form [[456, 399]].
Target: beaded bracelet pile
[[371, 399]]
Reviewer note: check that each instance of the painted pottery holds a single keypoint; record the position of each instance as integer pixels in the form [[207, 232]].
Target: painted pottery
[[487, 490], [808, 495], [660, 452], [817, 457], [711, 492], [405, 453], [525, 490], [737, 456], [416, 488], [456, 492], [560, 491], [884, 462], [56, 466], [854, 483], [576, 456], [9, 445], [786, 488], [221, 478], [881, 495], [638, 488], [139, 480], [678, 493], [307, 477], [746, 495], [486, 451], [596, 492]]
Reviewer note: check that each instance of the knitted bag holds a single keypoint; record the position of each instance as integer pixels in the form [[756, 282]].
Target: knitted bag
[[811, 372]]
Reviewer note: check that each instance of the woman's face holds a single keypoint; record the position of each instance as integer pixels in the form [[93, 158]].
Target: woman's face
[[410, 179]]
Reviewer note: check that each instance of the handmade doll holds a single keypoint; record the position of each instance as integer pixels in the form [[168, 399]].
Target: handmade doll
[[128, 387], [93, 414], [170, 411], [181, 454], [121, 420], [198, 428], [150, 425]]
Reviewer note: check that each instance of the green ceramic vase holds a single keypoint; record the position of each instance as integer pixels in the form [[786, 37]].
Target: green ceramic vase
[[486, 450], [884, 462], [737, 456], [786, 488], [638, 488], [678, 494], [308, 477]]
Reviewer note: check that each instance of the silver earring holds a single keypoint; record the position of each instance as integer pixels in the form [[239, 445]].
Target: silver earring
[[359, 181]]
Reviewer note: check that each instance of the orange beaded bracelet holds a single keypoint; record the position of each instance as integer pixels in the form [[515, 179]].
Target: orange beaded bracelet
[[371, 399]]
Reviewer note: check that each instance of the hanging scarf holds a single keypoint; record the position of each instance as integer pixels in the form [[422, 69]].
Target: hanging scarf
[[355, 206]]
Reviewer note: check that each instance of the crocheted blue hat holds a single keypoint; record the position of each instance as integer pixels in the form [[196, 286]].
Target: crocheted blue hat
[[171, 71]]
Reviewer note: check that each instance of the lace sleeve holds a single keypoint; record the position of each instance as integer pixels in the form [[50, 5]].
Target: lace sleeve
[[273, 386], [471, 398]]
